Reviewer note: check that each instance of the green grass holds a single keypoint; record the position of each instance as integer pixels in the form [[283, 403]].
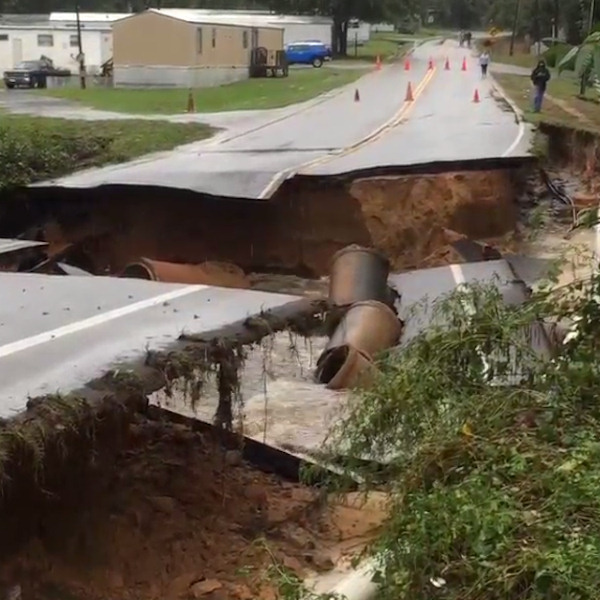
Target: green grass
[[567, 112], [35, 148], [301, 85], [385, 45]]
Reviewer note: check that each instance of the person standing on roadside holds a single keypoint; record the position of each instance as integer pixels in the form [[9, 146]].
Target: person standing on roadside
[[484, 63], [540, 77]]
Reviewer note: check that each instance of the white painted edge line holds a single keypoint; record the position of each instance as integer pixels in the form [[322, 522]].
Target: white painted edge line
[[53, 334], [597, 248], [518, 114]]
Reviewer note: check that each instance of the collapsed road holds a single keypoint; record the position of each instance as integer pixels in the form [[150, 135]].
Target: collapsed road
[[339, 135], [97, 349]]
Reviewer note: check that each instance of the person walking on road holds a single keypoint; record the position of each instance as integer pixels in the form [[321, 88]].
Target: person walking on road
[[484, 62], [540, 77]]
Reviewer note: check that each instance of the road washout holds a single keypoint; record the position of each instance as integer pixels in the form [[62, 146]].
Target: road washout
[[310, 218], [153, 502]]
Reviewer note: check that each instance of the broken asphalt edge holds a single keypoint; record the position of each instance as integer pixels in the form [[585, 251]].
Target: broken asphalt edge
[[56, 432]]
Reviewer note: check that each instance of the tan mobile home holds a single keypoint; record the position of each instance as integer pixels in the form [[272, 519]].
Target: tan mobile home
[[180, 48]]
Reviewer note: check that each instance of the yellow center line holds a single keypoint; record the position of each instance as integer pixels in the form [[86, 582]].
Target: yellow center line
[[375, 135], [380, 132]]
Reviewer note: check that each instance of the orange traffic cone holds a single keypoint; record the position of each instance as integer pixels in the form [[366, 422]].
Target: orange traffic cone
[[464, 64], [407, 64], [191, 104], [356, 96], [378, 63], [447, 65], [409, 93], [476, 96], [430, 65]]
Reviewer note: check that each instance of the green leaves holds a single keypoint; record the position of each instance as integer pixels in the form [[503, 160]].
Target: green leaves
[[493, 469]]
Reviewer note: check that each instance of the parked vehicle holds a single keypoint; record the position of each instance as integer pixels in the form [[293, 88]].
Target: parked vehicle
[[33, 74], [307, 53]]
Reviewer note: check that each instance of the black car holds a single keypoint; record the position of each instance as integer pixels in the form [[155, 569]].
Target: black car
[[32, 74]]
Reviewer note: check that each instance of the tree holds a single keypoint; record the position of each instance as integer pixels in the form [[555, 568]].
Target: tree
[[342, 11], [584, 60]]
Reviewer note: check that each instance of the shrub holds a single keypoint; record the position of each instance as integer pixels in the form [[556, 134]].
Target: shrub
[[554, 55], [492, 453]]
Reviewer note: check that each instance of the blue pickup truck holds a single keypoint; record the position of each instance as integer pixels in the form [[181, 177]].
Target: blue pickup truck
[[307, 53]]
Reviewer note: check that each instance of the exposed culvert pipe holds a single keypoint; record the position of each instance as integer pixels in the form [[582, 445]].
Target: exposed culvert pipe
[[345, 367], [368, 326], [359, 274], [218, 274]]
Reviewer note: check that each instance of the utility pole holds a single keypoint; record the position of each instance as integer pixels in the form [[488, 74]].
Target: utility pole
[[81, 56], [536, 26], [591, 17], [511, 49]]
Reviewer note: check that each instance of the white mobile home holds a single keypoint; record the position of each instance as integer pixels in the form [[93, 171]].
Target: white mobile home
[[295, 28], [57, 42]]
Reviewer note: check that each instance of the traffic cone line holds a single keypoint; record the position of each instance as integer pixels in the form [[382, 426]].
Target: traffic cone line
[[430, 65], [356, 96], [378, 63], [409, 93], [447, 65], [464, 64], [407, 64], [476, 96]]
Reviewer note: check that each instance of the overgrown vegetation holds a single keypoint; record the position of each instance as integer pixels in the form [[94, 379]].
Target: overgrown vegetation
[[33, 149], [492, 451], [272, 92]]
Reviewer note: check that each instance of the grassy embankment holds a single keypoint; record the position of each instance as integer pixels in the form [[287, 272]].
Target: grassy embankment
[[563, 105], [34, 148], [301, 85]]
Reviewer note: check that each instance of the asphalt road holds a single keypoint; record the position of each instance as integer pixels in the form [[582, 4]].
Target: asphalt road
[[58, 333], [335, 134]]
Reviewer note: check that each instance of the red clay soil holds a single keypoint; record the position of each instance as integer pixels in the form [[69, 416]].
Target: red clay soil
[[296, 232], [178, 518]]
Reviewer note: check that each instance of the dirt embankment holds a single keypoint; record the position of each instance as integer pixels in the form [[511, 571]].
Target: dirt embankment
[[177, 517], [296, 232], [572, 150]]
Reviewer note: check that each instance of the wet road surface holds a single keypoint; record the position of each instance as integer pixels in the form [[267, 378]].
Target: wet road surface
[[59, 333], [336, 134]]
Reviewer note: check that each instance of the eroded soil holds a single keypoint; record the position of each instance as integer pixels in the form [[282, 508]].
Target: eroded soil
[[295, 233], [178, 517]]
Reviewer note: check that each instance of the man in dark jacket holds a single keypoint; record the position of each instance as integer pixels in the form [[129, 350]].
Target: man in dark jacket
[[540, 77]]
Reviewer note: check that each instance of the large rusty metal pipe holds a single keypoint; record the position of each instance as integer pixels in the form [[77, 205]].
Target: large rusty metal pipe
[[218, 274], [369, 326], [358, 274], [345, 367]]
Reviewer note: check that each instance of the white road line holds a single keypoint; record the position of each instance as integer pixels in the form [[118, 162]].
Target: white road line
[[597, 228], [517, 140], [457, 273], [47, 336]]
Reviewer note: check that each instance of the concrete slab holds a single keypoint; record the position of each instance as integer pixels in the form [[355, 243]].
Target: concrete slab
[[58, 333]]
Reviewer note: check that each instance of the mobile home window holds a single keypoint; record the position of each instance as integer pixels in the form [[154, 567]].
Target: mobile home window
[[214, 37], [74, 41], [199, 40], [245, 39], [45, 39], [3, 37]]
